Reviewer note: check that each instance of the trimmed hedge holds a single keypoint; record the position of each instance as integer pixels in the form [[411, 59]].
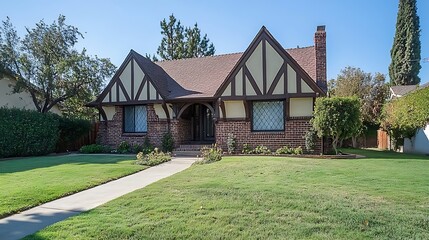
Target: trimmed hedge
[[27, 132], [95, 148]]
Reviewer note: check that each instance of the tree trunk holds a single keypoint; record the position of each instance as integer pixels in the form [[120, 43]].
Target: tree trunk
[[335, 144], [354, 142]]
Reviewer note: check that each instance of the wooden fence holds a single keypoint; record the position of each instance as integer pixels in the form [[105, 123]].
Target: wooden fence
[[88, 138], [382, 139]]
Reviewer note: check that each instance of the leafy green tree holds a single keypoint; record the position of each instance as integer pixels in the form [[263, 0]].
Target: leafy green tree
[[338, 118], [402, 117], [180, 42], [405, 53], [46, 64], [370, 89]]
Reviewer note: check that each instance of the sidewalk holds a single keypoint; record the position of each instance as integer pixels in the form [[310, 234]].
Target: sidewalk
[[22, 224]]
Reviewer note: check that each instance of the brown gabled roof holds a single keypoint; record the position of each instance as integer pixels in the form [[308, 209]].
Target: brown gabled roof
[[202, 77]]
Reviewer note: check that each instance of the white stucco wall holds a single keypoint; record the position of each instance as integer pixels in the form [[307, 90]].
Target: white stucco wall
[[235, 109], [301, 107], [20, 100], [110, 112], [420, 142], [159, 111]]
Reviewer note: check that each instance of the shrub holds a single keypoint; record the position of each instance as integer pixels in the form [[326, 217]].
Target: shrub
[[297, 151], [27, 132], [210, 154], [247, 149], [124, 147], [261, 149], [167, 142], [230, 142], [136, 148], [147, 146], [95, 148], [287, 150], [402, 117], [338, 118], [284, 150], [153, 158], [310, 140], [140, 156]]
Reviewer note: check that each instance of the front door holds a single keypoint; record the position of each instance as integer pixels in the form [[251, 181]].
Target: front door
[[202, 123]]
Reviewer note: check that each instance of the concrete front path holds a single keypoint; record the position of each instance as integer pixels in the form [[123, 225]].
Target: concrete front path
[[20, 225]]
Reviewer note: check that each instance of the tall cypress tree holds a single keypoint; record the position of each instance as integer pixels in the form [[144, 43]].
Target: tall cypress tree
[[405, 53]]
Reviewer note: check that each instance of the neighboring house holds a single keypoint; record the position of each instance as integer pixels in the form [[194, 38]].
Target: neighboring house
[[420, 143], [264, 96], [22, 100], [401, 90]]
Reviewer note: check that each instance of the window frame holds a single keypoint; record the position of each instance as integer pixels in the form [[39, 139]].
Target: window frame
[[273, 130], [123, 119]]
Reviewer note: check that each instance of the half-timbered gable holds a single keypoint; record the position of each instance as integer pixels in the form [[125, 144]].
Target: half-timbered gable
[[131, 84], [266, 71]]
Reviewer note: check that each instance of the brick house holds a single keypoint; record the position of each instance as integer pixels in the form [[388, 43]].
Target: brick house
[[264, 96]]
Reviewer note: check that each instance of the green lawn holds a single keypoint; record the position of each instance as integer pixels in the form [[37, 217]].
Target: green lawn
[[28, 182], [383, 197]]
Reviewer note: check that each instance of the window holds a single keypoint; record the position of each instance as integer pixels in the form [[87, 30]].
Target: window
[[268, 116], [135, 119]]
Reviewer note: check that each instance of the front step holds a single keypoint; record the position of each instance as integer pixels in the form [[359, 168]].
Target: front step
[[186, 153], [189, 150], [191, 147]]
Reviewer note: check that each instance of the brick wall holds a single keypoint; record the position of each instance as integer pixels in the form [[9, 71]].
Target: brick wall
[[181, 131], [111, 133], [292, 136]]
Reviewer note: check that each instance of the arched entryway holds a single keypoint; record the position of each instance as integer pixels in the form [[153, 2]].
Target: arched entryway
[[200, 118]]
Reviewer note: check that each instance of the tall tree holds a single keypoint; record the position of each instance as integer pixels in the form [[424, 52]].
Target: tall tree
[[405, 53], [180, 42], [172, 43], [46, 64], [195, 46], [370, 89]]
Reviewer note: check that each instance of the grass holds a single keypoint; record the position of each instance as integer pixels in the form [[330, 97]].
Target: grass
[[385, 196], [28, 182]]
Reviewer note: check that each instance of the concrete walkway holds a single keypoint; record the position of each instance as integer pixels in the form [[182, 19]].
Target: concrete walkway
[[20, 225]]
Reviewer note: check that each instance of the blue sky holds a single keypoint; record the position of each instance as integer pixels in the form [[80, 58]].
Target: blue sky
[[359, 33]]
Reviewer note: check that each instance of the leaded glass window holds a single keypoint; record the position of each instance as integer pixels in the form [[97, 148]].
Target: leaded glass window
[[135, 119], [268, 116]]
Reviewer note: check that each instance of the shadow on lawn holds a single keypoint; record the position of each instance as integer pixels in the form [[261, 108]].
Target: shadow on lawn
[[29, 223], [30, 163], [374, 154]]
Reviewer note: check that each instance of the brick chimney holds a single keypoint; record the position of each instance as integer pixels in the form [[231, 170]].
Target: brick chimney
[[320, 48]]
